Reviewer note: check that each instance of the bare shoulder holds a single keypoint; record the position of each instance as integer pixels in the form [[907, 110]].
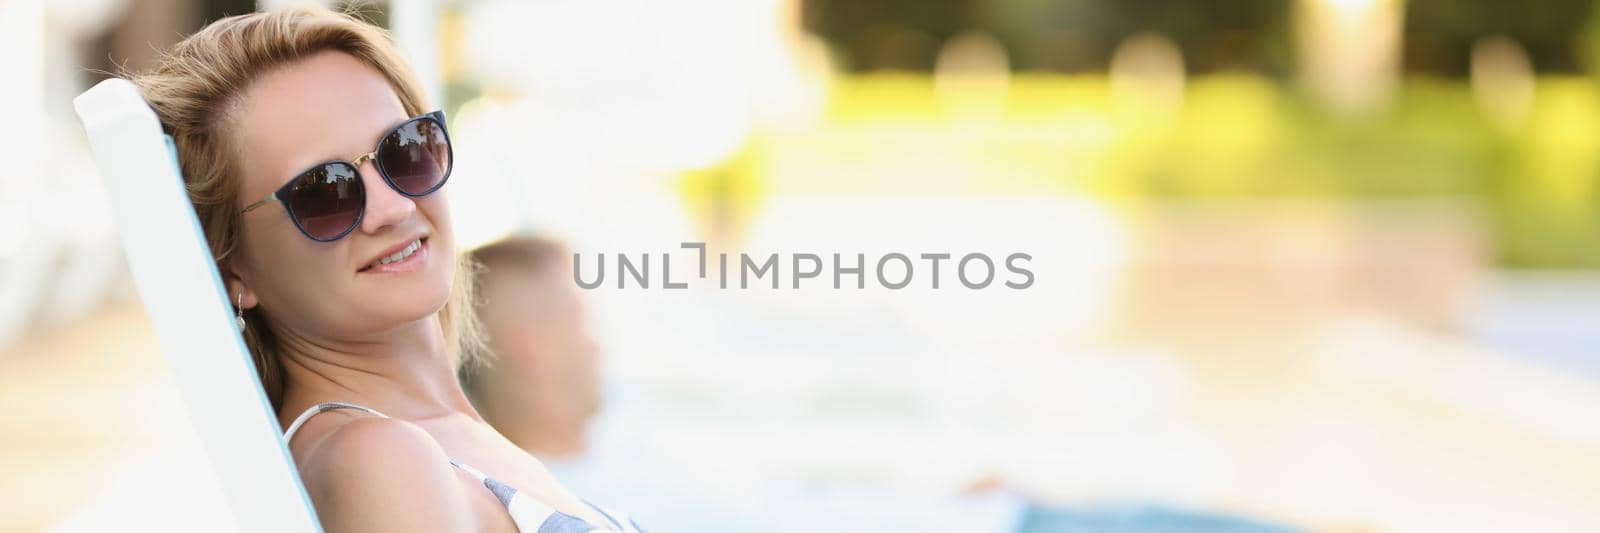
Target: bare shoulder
[[367, 473]]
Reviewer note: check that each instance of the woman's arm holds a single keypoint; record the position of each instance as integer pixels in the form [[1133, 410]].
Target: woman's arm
[[376, 474]]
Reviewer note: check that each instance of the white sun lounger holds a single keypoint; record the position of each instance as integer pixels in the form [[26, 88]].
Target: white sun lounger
[[190, 312]]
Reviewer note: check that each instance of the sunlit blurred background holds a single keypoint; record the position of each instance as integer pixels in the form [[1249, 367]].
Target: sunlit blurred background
[[1330, 264]]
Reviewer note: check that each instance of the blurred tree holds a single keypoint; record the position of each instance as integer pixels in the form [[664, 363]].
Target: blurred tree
[[211, 10], [1214, 35], [889, 34], [1440, 33], [1054, 35]]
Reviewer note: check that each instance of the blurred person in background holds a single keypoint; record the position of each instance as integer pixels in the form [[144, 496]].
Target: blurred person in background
[[316, 169], [542, 386]]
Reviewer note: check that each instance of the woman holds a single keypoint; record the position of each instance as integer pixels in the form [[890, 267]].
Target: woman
[[317, 170]]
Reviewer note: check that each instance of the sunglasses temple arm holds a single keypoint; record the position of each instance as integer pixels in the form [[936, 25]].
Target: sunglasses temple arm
[[258, 203]]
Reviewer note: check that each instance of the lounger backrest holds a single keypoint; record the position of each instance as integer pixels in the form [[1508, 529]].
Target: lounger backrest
[[190, 311]]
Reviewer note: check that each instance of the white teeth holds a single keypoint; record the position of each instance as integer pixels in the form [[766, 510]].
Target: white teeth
[[402, 254]]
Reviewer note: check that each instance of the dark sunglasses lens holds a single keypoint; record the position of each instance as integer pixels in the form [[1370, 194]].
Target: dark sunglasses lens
[[416, 157], [327, 200]]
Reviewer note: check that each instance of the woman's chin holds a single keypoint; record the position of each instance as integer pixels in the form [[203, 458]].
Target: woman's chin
[[400, 307]]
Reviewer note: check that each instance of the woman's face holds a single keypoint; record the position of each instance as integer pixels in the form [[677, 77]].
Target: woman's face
[[325, 107]]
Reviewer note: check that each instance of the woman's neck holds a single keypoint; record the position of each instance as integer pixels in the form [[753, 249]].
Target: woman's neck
[[405, 373]]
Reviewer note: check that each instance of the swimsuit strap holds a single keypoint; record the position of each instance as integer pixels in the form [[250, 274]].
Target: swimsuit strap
[[322, 408]]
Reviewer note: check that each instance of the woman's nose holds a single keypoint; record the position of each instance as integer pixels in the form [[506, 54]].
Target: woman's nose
[[385, 206]]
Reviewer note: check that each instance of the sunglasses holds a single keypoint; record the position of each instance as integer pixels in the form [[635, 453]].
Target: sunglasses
[[326, 202]]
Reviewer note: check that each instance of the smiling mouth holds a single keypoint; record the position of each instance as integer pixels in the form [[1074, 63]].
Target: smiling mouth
[[397, 257]]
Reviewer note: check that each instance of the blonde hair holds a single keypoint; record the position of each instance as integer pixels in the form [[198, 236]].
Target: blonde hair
[[195, 89]]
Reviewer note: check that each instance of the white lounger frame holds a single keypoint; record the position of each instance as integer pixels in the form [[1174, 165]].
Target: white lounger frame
[[191, 313]]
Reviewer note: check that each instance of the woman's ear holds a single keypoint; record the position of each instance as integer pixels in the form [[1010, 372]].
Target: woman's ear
[[239, 291]]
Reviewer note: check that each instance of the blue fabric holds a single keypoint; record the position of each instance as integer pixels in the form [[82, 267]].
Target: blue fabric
[[564, 523], [501, 490], [1152, 519]]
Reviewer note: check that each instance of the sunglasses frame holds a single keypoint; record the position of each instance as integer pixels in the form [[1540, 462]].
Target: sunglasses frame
[[282, 194]]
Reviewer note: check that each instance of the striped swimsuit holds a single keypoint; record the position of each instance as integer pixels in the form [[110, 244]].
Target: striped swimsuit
[[530, 515]]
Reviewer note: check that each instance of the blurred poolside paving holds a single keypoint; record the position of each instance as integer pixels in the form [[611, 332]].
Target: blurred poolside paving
[[94, 434]]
